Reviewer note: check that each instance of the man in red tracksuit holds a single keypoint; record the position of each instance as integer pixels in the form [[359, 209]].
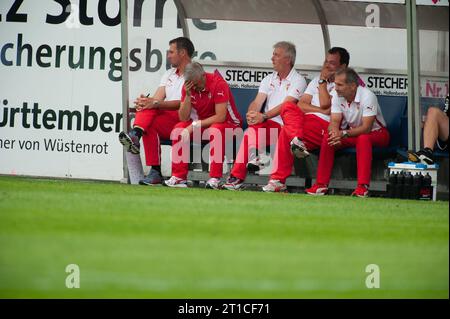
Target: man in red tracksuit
[[206, 105], [356, 121]]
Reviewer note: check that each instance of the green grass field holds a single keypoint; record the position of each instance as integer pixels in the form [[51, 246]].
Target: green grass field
[[155, 242]]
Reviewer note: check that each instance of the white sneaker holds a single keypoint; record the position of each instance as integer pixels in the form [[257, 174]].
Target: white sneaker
[[176, 182], [275, 186], [257, 164], [298, 148], [233, 183], [213, 183]]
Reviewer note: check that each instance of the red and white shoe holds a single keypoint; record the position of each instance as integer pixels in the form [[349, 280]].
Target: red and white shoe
[[233, 183], [317, 190], [176, 182], [361, 191], [298, 148], [275, 186], [213, 183]]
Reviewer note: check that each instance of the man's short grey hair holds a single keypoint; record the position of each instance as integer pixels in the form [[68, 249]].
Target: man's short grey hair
[[193, 71], [289, 48], [350, 75]]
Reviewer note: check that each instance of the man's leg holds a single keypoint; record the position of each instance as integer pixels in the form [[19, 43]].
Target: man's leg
[[326, 162], [283, 159], [217, 140], [364, 144], [293, 120], [293, 125], [143, 120], [252, 141], [314, 130], [160, 128], [180, 152], [436, 126]]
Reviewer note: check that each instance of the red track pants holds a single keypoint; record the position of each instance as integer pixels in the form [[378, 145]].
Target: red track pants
[[363, 144], [180, 150], [157, 124], [255, 137], [308, 127]]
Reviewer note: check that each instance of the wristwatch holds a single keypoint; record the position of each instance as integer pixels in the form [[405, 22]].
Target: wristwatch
[[196, 124], [344, 133], [322, 81], [265, 117]]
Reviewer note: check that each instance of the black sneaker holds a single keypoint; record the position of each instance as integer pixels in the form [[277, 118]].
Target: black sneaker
[[424, 156], [153, 178], [130, 141]]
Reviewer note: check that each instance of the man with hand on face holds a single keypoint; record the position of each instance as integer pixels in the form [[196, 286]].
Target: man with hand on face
[[206, 104], [283, 85], [356, 121], [156, 116], [305, 123]]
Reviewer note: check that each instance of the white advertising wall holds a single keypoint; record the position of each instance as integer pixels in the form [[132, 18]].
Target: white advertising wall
[[60, 89]]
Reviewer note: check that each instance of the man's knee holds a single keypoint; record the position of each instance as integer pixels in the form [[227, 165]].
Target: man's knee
[[434, 113], [288, 107], [252, 130], [175, 134], [216, 131]]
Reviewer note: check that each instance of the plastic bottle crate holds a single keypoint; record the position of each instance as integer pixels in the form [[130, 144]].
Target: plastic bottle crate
[[403, 172]]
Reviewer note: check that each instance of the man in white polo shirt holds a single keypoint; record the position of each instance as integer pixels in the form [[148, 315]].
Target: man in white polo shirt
[[156, 116], [305, 123], [356, 121], [281, 86]]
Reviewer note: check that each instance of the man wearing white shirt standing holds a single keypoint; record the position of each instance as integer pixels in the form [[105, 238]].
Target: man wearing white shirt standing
[[156, 116], [305, 123], [356, 121], [281, 86]]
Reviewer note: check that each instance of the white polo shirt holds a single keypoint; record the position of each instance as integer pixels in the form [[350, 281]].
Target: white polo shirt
[[313, 90], [365, 104], [277, 90], [173, 82]]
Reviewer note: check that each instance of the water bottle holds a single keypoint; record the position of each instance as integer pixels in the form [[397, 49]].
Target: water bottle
[[426, 191], [417, 184], [392, 184], [408, 187], [399, 185]]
